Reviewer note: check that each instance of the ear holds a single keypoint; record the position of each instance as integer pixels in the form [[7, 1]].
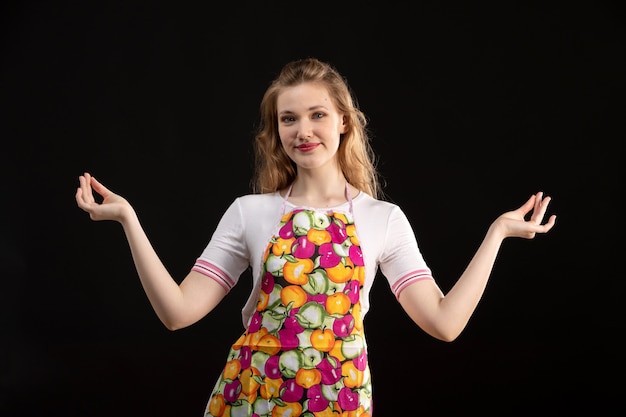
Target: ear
[[344, 125]]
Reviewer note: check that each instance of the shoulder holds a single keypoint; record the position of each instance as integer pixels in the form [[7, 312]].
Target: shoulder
[[258, 203], [259, 198], [366, 202], [380, 213]]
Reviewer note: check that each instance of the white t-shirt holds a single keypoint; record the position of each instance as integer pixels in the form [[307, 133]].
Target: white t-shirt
[[387, 241]]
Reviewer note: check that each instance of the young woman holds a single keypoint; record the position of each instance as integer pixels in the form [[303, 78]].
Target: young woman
[[315, 232]]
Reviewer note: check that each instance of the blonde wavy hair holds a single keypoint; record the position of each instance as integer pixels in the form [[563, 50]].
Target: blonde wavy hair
[[274, 170]]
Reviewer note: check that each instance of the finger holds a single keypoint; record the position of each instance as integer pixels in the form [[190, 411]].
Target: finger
[[100, 188], [550, 223], [544, 228], [538, 198], [87, 194], [540, 211], [80, 200], [80, 191], [79, 197]]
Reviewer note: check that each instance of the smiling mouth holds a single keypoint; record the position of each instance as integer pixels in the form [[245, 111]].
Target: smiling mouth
[[306, 147]]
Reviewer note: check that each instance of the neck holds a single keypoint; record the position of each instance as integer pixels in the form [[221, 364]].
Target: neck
[[316, 191]]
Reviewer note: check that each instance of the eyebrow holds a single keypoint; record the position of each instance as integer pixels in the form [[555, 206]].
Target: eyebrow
[[312, 108]]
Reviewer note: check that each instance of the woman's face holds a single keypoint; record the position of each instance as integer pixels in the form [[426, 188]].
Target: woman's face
[[309, 125]]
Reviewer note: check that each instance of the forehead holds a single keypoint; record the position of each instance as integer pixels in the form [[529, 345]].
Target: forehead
[[302, 97]]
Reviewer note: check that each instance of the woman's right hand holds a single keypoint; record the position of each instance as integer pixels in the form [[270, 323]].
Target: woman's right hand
[[112, 207]]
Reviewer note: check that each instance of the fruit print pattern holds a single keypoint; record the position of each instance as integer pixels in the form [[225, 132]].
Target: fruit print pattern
[[303, 353]]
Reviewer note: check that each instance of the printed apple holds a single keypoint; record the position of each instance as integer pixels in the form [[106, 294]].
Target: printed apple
[[342, 272], [345, 217], [318, 282], [318, 237], [245, 357], [233, 353], [323, 339], [342, 249], [285, 409], [302, 222], [343, 326], [302, 248], [267, 283], [307, 377], [274, 264], [337, 231], [311, 315], [328, 257], [352, 290], [348, 400], [316, 400], [331, 391], [253, 339], [352, 377], [274, 298], [291, 322], [271, 320], [261, 407], [272, 367], [356, 255], [232, 390], [330, 320], [352, 346], [312, 357], [320, 220], [250, 381], [290, 361], [270, 388], [360, 362], [330, 368], [334, 287], [296, 271], [217, 405], [288, 339], [286, 231], [255, 322], [259, 360], [290, 391], [281, 247], [241, 408], [304, 338]]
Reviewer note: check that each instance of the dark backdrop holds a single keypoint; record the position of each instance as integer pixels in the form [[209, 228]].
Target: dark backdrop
[[472, 109]]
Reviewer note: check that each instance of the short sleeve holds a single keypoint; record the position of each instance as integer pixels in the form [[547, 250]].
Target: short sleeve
[[401, 261], [226, 256]]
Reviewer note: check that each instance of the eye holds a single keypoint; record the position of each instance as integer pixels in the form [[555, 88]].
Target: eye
[[318, 115], [287, 119]]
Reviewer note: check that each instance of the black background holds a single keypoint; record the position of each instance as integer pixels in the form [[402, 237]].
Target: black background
[[472, 107]]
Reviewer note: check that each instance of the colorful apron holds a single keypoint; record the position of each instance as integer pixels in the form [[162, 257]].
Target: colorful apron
[[304, 352]]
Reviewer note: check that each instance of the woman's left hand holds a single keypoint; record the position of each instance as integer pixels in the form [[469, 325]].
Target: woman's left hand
[[514, 223]]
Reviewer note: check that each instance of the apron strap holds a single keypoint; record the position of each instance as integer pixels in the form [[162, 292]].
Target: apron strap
[[285, 198]]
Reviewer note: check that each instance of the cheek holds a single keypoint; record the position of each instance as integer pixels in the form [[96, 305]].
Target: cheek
[[284, 134], [284, 142]]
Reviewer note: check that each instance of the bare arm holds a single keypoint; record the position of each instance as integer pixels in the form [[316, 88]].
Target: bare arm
[[445, 316], [177, 306]]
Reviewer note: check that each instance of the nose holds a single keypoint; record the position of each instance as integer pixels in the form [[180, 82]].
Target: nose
[[305, 129]]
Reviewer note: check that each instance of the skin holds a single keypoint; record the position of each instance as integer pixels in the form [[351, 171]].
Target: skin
[[307, 116]]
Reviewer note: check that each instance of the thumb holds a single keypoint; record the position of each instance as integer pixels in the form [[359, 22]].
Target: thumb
[[99, 187]]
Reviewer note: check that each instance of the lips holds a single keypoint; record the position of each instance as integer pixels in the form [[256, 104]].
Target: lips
[[307, 147]]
